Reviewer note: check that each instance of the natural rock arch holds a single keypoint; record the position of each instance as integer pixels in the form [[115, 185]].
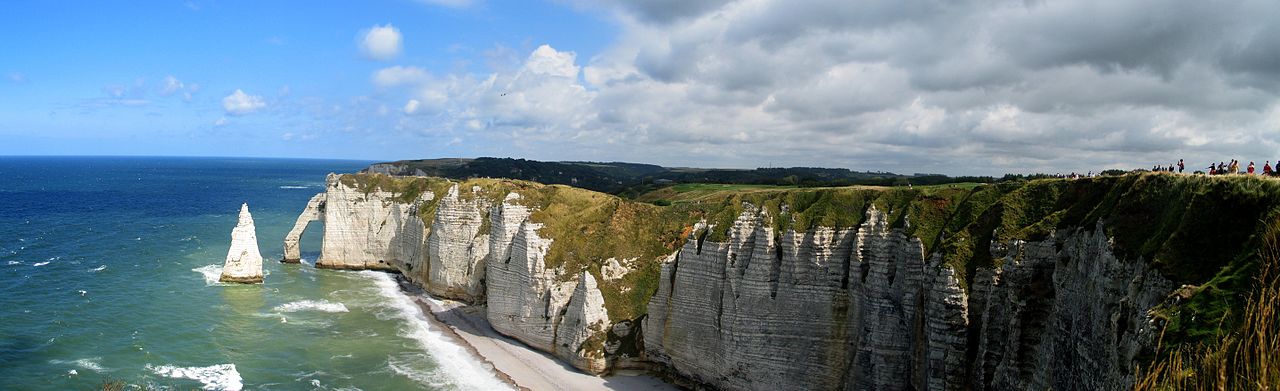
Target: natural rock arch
[[313, 212]]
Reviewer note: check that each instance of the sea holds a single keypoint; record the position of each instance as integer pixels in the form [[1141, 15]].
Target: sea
[[109, 268]]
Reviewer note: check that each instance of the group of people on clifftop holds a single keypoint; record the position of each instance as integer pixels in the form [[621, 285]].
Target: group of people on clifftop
[[1233, 167], [1223, 168]]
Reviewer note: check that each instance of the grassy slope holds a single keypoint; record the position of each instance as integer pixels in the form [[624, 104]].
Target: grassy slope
[[1196, 230]]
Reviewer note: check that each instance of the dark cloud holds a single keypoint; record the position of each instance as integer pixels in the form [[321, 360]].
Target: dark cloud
[[959, 87], [667, 11]]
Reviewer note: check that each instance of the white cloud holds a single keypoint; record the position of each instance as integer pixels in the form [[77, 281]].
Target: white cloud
[[381, 42], [291, 136], [17, 77], [399, 75], [239, 103], [973, 87], [220, 122], [411, 107], [171, 85], [548, 61]]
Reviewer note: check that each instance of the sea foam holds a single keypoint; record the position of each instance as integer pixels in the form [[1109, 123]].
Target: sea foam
[[211, 274], [460, 367], [214, 377], [91, 363], [38, 264], [311, 305]]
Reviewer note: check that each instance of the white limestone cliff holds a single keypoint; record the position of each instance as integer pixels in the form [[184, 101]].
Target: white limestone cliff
[[457, 258], [855, 308], [865, 309], [582, 331], [456, 249], [313, 212], [369, 230], [244, 261]]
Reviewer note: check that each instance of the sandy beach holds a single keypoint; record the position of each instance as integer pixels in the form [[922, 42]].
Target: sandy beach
[[516, 363]]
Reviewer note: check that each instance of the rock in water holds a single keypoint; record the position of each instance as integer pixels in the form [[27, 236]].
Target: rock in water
[[244, 262]]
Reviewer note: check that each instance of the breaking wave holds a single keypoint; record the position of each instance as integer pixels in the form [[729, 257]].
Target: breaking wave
[[311, 305], [211, 274], [214, 377], [456, 365]]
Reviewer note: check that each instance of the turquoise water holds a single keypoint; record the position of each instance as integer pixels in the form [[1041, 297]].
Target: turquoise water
[[108, 269]]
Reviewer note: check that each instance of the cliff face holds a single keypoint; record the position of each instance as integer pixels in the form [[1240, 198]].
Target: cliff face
[[313, 212], [1010, 286], [456, 249], [462, 256], [368, 230], [865, 309]]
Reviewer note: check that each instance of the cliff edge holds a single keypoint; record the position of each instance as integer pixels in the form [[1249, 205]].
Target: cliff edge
[[1014, 285]]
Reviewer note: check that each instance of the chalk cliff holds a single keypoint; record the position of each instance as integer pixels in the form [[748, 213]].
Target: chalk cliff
[[313, 212], [474, 248], [244, 261], [866, 309], [368, 230], [1011, 286]]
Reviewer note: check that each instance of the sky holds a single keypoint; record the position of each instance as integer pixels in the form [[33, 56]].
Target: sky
[[956, 87]]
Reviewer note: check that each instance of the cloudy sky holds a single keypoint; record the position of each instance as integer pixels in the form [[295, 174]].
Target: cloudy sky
[[956, 87]]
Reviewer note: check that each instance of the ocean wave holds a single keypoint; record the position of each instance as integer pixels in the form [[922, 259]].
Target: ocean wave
[[311, 305], [405, 367], [455, 363], [211, 274], [91, 363], [99, 268], [294, 187], [15, 262], [214, 377], [38, 264]]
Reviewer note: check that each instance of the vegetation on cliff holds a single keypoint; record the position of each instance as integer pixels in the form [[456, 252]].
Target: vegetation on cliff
[[1196, 230], [1245, 358]]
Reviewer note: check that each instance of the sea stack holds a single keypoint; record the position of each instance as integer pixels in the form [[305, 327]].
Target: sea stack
[[244, 262]]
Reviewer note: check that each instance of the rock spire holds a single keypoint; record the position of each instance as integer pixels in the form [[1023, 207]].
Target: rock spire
[[244, 261]]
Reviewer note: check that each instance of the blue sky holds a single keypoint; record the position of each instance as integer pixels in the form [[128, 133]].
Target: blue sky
[[969, 87], [91, 77]]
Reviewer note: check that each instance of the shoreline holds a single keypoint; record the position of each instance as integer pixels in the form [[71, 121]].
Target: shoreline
[[512, 361]]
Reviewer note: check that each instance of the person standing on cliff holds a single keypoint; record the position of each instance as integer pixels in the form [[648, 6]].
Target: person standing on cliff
[[1181, 166], [1250, 168], [1266, 169]]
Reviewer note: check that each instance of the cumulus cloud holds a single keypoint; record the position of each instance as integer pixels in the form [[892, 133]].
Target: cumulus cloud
[[381, 42], [240, 103], [968, 87]]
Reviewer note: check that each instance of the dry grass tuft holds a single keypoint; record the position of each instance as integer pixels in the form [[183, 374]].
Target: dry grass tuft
[[1246, 358]]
